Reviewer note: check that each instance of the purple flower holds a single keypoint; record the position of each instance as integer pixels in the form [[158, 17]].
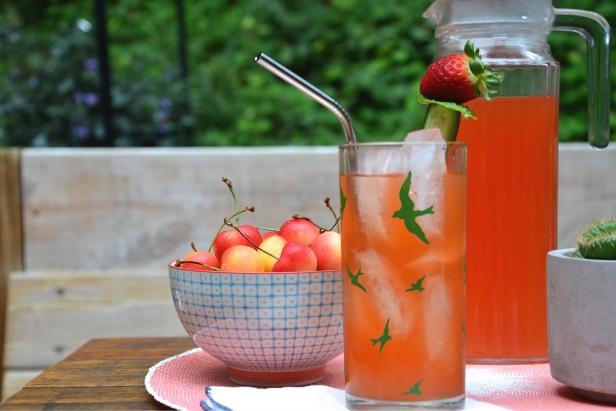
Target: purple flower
[[165, 103], [90, 65], [162, 114], [80, 132], [88, 99], [162, 128]]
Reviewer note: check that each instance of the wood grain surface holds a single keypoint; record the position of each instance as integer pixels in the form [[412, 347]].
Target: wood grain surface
[[104, 209], [104, 374], [11, 257], [67, 309], [140, 208], [586, 188]]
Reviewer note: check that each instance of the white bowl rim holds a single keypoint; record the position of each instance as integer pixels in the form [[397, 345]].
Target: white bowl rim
[[170, 265]]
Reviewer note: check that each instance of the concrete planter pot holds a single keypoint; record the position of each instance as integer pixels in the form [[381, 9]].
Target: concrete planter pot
[[582, 323]]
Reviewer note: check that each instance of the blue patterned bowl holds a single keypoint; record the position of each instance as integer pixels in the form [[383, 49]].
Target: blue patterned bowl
[[270, 329]]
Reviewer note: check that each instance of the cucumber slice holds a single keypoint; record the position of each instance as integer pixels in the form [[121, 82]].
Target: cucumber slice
[[445, 116], [445, 119]]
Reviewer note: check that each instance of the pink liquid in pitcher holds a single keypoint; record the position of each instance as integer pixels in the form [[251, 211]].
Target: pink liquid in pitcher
[[511, 225]]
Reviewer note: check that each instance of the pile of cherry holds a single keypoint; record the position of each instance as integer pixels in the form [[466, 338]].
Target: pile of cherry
[[298, 245]]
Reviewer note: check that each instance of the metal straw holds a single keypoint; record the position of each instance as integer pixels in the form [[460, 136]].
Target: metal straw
[[311, 91]]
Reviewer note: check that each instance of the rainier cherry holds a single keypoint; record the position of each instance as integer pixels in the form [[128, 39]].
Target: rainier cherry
[[273, 245], [240, 259], [229, 238], [328, 251], [269, 234], [299, 230], [296, 257], [202, 257]]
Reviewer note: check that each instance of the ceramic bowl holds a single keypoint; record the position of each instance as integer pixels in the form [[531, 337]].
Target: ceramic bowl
[[270, 329], [581, 323]]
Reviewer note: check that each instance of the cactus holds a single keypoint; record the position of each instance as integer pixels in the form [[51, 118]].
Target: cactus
[[598, 241]]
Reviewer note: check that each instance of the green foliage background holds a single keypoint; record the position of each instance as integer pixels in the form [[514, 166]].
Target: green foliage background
[[368, 54]]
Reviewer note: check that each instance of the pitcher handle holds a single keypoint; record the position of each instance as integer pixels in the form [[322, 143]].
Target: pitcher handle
[[596, 30]]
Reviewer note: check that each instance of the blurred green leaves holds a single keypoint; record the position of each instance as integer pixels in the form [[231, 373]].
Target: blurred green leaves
[[367, 54]]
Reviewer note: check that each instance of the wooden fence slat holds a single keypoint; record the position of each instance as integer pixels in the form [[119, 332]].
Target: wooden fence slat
[[11, 257], [136, 208], [52, 313], [108, 209], [586, 188]]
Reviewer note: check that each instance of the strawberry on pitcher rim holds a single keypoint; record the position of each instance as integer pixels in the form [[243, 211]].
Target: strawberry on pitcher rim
[[452, 81], [459, 78]]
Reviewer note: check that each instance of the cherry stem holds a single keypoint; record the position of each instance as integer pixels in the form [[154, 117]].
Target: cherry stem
[[251, 209], [227, 223], [237, 209], [336, 218], [336, 223], [178, 263], [301, 217], [267, 229], [193, 246]]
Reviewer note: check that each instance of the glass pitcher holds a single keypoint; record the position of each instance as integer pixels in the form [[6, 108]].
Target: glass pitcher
[[512, 163]]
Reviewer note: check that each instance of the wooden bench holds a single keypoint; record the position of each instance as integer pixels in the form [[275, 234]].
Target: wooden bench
[[98, 227]]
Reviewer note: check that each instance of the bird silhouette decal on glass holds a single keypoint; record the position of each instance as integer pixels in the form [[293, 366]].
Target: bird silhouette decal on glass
[[408, 213], [355, 279], [417, 285], [383, 339], [414, 390]]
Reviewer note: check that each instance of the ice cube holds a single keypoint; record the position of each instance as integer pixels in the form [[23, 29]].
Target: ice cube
[[438, 315], [425, 134], [428, 167], [437, 257], [381, 161], [387, 160], [384, 292], [367, 195]]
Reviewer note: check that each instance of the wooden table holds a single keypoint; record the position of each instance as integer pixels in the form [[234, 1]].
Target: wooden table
[[108, 374], [104, 374]]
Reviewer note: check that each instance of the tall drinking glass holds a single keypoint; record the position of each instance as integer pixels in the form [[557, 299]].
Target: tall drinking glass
[[403, 257]]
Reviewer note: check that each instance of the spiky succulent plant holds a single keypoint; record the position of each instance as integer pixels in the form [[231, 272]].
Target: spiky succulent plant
[[598, 241]]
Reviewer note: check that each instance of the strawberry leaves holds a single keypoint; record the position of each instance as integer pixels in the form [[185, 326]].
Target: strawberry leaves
[[460, 108], [487, 81], [408, 213], [470, 50]]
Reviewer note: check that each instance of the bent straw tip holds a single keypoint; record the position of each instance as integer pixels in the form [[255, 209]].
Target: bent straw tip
[[310, 90]]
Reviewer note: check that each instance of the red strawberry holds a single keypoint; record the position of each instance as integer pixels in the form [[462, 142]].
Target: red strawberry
[[459, 78]]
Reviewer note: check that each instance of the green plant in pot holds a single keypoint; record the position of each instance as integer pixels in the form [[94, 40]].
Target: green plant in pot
[[581, 289], [598, 242]]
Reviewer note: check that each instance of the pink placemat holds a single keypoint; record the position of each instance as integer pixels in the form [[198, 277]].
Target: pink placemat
[[179, 382]]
